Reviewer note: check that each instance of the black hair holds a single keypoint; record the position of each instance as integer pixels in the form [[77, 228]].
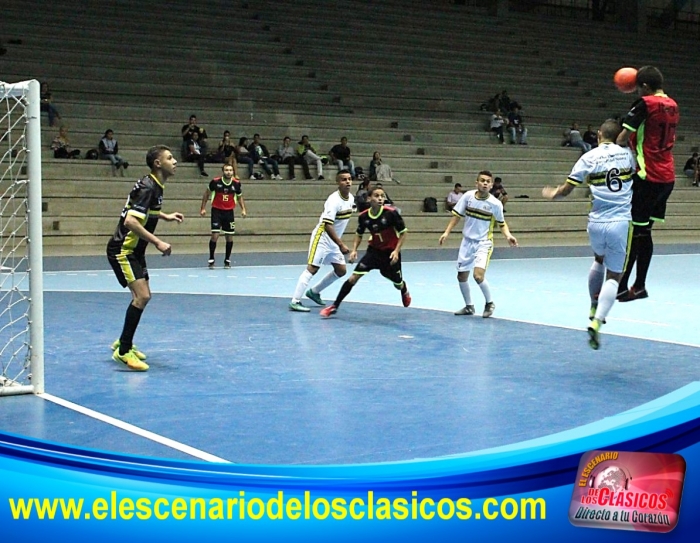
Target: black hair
[[154, 153], [485, 172], [651, 77]]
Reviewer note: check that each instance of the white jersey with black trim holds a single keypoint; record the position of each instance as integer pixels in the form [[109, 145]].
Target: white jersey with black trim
[[608, 170], [337, 211], [480, 215]]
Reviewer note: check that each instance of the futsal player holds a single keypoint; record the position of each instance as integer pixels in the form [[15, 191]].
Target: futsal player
[[223, 191], [387, 235], [126, 250], [608, 169], [481, 211], [650, 129], [326, 245]]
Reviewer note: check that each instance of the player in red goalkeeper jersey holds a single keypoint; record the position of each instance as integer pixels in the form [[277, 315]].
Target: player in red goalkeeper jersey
[[387, 234], [223, 192], [650, 130]]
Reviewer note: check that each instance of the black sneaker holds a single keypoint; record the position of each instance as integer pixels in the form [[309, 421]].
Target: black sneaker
[[488, 310], [632, 294], [227, 264]]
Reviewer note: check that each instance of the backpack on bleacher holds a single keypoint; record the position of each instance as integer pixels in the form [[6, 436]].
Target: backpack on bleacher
[[430, 205]]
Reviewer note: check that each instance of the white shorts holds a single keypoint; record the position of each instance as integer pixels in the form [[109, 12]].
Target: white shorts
[[474, 254], [323, 250], [611, 240]]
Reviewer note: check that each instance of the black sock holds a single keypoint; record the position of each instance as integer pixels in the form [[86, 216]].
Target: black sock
[[644, 254], [229, 248], [344, 291], [131, 322], [403, 288], [631, 259], [212, 249]]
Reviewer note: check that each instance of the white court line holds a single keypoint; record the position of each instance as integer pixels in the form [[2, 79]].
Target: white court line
[[133, 429]]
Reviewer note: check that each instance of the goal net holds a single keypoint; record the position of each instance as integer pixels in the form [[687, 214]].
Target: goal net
[[21, 285]]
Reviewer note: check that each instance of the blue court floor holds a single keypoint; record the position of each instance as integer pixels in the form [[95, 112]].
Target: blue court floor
[[237, 377]]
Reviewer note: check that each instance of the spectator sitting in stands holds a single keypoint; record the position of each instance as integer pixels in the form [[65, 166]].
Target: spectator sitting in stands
[[341, 156], [516, 126], [187, 131], [573, 138], [45, 104], [691, 169], [308, 155], [499, 191], [590, 136], [61, 145], [497, 123], [453, 197], [381, 171], [362, 195], [226, 152], [287, 155], [243, 156], [109, 150], [195, 153], [260, 155]]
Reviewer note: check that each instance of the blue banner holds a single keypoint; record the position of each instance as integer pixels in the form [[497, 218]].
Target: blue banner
[[520, 492]]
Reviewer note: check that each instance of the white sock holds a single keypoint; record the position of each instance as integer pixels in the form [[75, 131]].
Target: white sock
[[484, 286], [302, 284], [466, 293], [606, 299], [325, 282], [596, 276]]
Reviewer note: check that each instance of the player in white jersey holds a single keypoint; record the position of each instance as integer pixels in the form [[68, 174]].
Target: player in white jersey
[[481, 210], [326, 245], [608, 170]]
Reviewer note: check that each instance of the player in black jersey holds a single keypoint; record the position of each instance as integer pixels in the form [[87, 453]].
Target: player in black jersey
[[387, 235], [126, 250]]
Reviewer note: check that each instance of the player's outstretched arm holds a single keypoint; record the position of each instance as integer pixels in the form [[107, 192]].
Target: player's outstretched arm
[[557, 193], [175, 216]]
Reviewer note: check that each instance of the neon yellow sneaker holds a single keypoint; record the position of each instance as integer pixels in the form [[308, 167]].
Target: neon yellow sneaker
[[594, 335], [130, 360], [134, 349]]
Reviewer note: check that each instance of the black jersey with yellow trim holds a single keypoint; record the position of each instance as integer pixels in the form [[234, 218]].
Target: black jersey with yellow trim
[[145, 202], [385, 227]]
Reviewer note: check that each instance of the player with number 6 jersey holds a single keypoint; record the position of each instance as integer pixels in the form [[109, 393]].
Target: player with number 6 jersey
[[608, 169]]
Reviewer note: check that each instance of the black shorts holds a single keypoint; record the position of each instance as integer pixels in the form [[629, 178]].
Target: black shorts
[[222, 221], [128, 267], [375, 259], [649, 201]]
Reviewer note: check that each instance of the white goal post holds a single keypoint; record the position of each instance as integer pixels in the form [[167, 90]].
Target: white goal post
[[21, 251]]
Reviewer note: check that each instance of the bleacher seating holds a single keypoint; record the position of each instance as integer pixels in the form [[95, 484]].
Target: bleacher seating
[[400, 77]]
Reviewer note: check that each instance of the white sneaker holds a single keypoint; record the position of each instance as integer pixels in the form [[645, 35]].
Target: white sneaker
[[278, 176], [252, 177]]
